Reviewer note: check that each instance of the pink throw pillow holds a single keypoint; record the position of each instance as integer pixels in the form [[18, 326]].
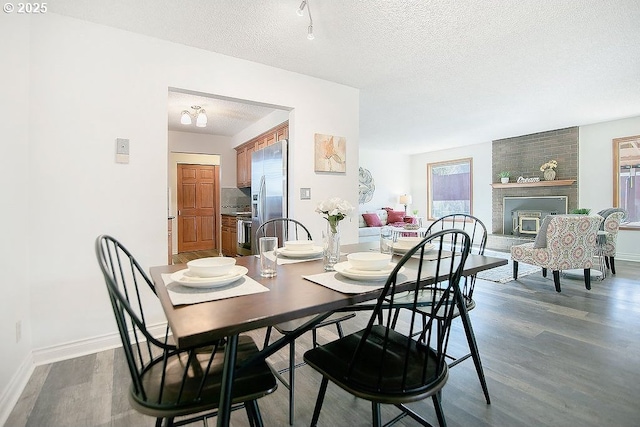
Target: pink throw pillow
[[395, 216], [372, 220]]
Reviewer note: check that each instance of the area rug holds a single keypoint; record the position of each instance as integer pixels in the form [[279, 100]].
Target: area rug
[[504, 274]]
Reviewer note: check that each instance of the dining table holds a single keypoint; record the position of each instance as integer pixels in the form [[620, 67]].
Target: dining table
[[291, 294]]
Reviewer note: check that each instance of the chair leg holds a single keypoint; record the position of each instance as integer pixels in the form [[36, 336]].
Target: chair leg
[[556, 278], [253, 412], [292, 369], [515, 269], [437, 405], [544, 273], [396, 314], [475, 353], [339, 328], [376, 420], [587, 278], [319, 401], [606, 262], [250, 414], [613, 265], [267, 336]]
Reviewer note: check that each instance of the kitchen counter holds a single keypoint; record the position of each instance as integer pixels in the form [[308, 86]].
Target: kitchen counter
[[236, 214]]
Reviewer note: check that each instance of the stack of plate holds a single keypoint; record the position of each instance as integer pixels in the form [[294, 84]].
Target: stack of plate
[[406, 243], [212, 272], [307, 251], [347, 270]]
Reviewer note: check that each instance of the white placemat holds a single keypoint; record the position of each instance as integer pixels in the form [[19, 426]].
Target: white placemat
[[181, 295]]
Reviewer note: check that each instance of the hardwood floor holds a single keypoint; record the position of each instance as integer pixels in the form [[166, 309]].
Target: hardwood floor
[[551, 359], [184, 257]]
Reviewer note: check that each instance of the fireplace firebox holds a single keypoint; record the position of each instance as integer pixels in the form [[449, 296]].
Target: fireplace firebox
[[522, 215]]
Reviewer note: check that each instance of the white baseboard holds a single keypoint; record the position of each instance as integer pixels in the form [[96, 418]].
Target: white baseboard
[[83, 347], [12, 392], [627, 257], [56, 353]]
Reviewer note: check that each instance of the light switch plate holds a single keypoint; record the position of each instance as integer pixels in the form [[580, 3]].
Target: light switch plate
[[122, 146], [122, 150], [305, 194]]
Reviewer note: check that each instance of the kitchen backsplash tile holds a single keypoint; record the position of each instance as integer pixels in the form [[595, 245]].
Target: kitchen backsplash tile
[[234, 200]]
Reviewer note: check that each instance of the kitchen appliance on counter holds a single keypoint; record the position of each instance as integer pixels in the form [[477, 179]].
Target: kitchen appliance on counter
[[268, 187], [243, 222]]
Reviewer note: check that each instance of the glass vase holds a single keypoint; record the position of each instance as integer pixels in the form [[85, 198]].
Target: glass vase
[[331, 242]]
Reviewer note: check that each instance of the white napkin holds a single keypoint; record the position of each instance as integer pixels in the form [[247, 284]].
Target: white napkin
[[180, 294]]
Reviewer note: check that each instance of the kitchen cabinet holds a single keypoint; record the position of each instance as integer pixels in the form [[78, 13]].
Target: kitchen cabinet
[[244, 151], [229, 236], [243, 165]]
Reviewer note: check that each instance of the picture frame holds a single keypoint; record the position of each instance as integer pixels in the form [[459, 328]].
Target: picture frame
[[330, 153]]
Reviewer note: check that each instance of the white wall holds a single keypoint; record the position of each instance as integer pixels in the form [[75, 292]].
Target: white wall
[[189, 142], [391, 175], [481, 155], [14, 174], [88, 85], [261, 126], [595, 179]]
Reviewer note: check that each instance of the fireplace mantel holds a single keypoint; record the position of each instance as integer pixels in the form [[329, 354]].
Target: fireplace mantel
[[554, 183]]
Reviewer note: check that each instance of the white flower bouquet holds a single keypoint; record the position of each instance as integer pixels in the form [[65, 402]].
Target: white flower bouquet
[[335, 210], [549, 165]]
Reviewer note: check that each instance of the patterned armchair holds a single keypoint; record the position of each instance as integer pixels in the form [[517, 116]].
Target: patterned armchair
[[611, 225], [564, 242]]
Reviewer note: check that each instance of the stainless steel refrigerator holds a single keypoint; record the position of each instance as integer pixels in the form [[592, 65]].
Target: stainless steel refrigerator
[[268, 187]]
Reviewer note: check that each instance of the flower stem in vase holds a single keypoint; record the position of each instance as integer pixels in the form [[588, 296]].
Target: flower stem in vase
[[331, 243]]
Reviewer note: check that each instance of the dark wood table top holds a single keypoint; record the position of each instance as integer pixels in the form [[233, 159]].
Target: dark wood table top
[[289, 297]]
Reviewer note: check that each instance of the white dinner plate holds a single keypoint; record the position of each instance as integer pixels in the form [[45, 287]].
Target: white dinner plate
[[345, 269], [186, 279], [404, 248], [314, 251]]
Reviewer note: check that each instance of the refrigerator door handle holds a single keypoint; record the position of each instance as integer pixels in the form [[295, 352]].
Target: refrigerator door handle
[[261, 200]]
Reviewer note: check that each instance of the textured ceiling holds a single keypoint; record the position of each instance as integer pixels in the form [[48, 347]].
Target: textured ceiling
[[431, 74], [225, 117]]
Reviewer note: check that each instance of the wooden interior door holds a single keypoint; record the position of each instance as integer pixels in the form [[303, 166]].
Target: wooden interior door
[[198, 195]]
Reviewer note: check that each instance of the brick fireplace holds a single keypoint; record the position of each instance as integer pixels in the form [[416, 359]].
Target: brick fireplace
[[522, 156]]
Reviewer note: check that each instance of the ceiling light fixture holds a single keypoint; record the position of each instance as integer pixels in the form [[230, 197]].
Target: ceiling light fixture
[[300, 12], [199, 114]]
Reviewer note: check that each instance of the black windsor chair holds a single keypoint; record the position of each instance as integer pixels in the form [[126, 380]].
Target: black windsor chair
[[290, 229], [167, 382], [478, 239], [386, 366]]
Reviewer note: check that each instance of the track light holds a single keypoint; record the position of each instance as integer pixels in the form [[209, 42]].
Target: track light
[[300, 12]]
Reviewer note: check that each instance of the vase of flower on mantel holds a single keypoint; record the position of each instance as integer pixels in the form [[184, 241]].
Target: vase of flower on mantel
[[548, 170], [335, 210]]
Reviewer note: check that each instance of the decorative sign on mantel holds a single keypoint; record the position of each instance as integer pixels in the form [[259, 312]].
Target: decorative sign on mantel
[[522, 180]]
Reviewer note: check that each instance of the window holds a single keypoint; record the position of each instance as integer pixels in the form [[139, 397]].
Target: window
[[626, 164], [449, 188]]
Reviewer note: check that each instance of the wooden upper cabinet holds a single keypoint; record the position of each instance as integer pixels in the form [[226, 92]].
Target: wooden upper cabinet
[[244, 151], [282, 133], [270, 139], [241, 171]]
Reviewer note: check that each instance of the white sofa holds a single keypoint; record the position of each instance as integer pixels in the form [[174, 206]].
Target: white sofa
[[370, 234]]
